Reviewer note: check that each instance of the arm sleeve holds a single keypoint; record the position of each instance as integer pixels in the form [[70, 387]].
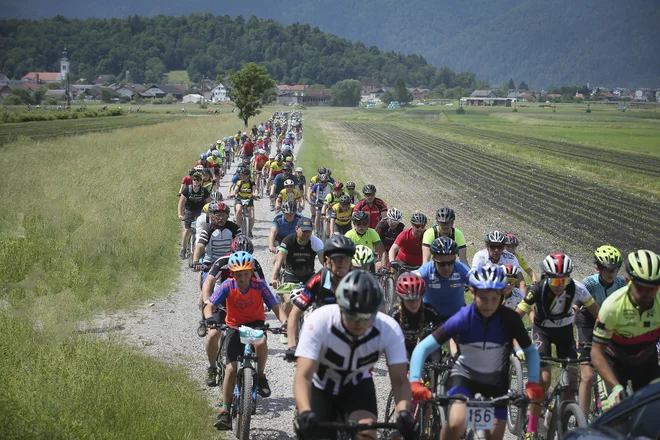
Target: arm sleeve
[[419, 356], [267, 295], [582, 295], [604, 328], [533, 363], [527, 304], [220, 293], [203, 237]]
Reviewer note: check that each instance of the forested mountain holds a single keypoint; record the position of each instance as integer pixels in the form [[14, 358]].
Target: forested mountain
[[208, 45], [605, 42]]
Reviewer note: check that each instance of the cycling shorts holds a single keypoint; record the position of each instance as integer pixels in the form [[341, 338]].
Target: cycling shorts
[[467, 387], [639, 376], [585, 336], [342, 229], [351, 398], [237, 202], [562, 337], [233, 341], [189, 217]]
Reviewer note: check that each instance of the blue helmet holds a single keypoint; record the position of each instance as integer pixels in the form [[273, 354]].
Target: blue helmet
[[203, 156], [241, 260], [488, 276]]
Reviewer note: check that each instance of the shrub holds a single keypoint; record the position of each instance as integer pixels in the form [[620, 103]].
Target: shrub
[[460, 111], [13, 100], [515, 110]]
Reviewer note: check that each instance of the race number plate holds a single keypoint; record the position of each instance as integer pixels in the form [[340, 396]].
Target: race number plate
[[479, 418]]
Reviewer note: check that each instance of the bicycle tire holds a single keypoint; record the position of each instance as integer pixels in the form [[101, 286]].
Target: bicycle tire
[[220, 362], [236, 405], [571, 410], [389, 408], [246, 405], [515, 419], [191, 247], [389, 294]]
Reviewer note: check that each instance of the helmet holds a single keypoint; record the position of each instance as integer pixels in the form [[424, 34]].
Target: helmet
[[608, 256], [510, 271], [287, 167], [487, 276], [199, 167], [216, 196], [260, 138], [323, 178], [360, 216], [512, 240], [418, 219], [203, 156], [271, 156], [206, 171], [557, 264], [363, 255], [369, 189], [216, 153], [344, 200], [191, 171], [321, 170], [444, 246], [279, 158], [245, 133], [495, 237], [643, 266], [261, 151], [241, 260], [289, 206], [218, 207], [288, 182], [338, 186], [394, 215], [410, 286], [445, 214], [338, 244], [219, 141], [243, 170], [289, 160], [299, 170], [359, 292], [242, 243], [197, 175], [246, 161], [329, 172], [350, 185]]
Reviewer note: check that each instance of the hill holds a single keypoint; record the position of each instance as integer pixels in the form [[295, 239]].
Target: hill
[[604, 42]]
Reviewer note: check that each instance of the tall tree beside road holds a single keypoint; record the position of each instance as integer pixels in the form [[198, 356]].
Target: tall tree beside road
[[345, 93], [248, 88], [401, 92]]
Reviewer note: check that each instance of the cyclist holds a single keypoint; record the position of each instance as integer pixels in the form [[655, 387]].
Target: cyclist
[[290, 194], [552, 299], [338, 253], [295, 259], [600, 285], [407, 247], [416, 318], [245, 189], [192, 200], [363, 234], [245, 297], [259, 162], [316, 195], [485, 331], [355, 334], [215, 161], [215, 240], [350, 191], [302, 181], [203, 161], [496, 254], [319, 172], [363, 258], [444, 226], [628, 328], [278, 183], [511, 244], [333, 197], [276, 166], [248, 148], [390, 227], [340, 215], [207, 180], [284, 223], [187, 180], [372, 205], [512, 294]]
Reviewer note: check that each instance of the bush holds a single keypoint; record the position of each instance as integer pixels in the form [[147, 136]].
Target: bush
[[588, 110], [114, 112], [460, 110], [52, 101], [13, 100], [515, 110]]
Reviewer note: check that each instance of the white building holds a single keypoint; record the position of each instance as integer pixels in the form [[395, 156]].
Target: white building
[[217, 94], [193, 97]]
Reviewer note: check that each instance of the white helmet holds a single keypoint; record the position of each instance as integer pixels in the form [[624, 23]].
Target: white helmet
[[216, 153], [219, 141], [298, 170], [288, 182], [271, 156], [261, 151], [394, 214], [199, 168]]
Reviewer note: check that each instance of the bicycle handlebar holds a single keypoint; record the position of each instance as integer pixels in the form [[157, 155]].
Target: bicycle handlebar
[[565, 360], [516, 399], [353, 426]]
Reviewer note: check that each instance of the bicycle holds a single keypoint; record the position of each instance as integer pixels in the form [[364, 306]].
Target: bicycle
[[220, 363], [246, 211], [518, 378], [190, 247], [319, 220], [388, 278]]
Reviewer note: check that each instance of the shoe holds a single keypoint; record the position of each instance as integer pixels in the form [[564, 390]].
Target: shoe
[[284, 339], [250, 236], [223, 421], [531, 436], [264, 388], [211, 374], [182, 254]]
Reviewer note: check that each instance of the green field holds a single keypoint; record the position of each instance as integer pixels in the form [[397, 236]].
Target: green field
[[177, 77]]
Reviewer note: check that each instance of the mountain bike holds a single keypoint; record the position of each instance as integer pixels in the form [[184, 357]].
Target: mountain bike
[[515, 422], [319, 221], [220, 363], [388, 278], [246, 224]]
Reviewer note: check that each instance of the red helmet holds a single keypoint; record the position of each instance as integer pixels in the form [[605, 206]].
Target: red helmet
[[338, 186], [511, 239], [510, 270], [410, 286]]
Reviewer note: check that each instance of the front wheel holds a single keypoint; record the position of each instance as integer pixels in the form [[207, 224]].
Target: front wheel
[[516, 419], [389, 293], [246, 405], [191, 248], [571, 417], [220, 362]]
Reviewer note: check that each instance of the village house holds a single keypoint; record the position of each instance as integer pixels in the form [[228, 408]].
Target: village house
[[290, 94], [317, 97], [418, 94], [217, 94], [160, 91]]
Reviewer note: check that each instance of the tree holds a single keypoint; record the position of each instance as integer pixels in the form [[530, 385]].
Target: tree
[[105, 95], [345, 93], [387, 97], [523, 86], [246, 87], [511, 85], [401, 92]]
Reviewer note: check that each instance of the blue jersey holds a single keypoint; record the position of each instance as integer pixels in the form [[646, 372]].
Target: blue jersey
[[284, 228], [320, 192], [599, 293], [446, 295]]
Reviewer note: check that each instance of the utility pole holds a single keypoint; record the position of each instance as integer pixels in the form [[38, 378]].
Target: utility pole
[[202, 100]]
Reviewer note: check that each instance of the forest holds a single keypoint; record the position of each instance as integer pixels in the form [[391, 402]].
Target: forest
[[208, 45]]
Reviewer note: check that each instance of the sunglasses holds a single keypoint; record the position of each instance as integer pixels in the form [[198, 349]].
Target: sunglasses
[[646, 289], [554, 282], [361, 224], [496, 247], [445, 263], [359, 317], [197, 180], [512, 280], [419, 226]]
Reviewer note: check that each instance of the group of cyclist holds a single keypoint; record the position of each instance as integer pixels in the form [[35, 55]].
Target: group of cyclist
[[338, 320]]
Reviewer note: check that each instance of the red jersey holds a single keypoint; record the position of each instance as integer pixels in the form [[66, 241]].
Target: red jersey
[[410, 248], [205, 165], [260, 161], [243, 307], [187, 180], [375, 211], [248, 148]]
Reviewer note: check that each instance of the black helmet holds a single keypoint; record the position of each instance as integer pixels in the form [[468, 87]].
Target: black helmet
[[344, 199], [191, 171], [418, 219], [495, 237], [242, 243], [369, 189], [288, 207], [338, 244], [321, 170], [359, 292], [359, 216], [445, 214]]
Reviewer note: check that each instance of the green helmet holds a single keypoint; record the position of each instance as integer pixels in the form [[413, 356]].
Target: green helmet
[[363, 255], [643, 266], [608, 256]]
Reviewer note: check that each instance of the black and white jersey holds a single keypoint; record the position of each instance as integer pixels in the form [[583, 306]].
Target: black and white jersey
[[345, 359], [217, 241]]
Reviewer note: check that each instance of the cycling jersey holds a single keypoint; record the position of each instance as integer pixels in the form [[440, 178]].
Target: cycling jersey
[[315, 178], [342, 218], [433, 232], [369, 239], [195, 200], [631, 333], [284, 228], [375, 210], [318, 290], [276, 168], [332, 198], [554, 310], [387, 235], [344, 359], [481, 258], [217, 241], [514, 298], [302, 180], [293, 196], [598, 292], [356, 197], [521, 261], [215, 162], [260, 161], [410, 248], [319, 192], [208, 184], [243, 307], [244, 189], [278, 182], [446, 295], [299, 262], [416, 327]]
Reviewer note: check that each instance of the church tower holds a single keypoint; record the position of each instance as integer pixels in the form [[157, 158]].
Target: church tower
[[64, 66]]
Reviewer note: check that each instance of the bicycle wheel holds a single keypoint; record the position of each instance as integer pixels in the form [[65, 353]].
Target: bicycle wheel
[[434, 424], [389, 408], [247, 220], [246, 405], [389, 293], [191, 248], [514, 422], [571, 417], [236, 405], [220, 361]]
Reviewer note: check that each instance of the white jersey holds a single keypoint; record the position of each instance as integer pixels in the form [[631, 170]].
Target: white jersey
[[342, 358], [481, 258], [513, 299]]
